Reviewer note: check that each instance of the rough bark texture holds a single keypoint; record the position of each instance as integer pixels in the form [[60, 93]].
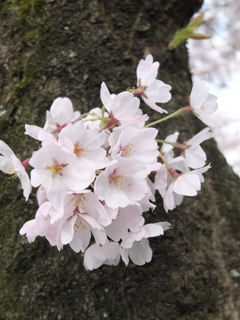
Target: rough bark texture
[[67, 48]]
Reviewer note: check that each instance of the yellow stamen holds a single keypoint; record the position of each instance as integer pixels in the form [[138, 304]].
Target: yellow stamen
[[79, 224], [12, 171], [117, 180], [127, 151], [56, 168], [79, 150]]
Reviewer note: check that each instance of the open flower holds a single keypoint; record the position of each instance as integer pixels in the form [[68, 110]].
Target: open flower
[[203, 103], [77, 230], [128, 218], [10, 164], [122, 108], [194, 155], [61, 113], [134, 143], [85, 144], [98, 254], [151, 90], [119, 185], [136, 244], [173, 186], [59, 171]]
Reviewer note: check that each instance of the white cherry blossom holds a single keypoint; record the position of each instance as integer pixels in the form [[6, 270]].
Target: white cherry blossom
[[10, 164], [95, 172], [61, 113], [97, 255], [134, 143], [151, 90], [203, 103], [136, 245], [119, 184], [194, 154], [58, 171], [128, 218], [123, 108], [85, 144], [77, 231]]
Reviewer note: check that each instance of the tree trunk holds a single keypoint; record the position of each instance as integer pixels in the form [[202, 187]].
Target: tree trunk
[[67, 48]]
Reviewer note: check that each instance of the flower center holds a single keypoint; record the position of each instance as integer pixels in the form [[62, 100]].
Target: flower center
[[12, 171], [56, 168], [79, 149], [127, 151], [79, 205], [79, 224], [117, 180]]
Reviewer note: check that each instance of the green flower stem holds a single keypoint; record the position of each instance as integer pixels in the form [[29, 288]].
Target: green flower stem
[[165, 161], [170, 169], [178, 112], [92, 119], [181, 146], [163, 141], [82, 116]]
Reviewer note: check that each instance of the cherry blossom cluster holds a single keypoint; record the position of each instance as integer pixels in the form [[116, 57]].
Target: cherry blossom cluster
[[97, 172]]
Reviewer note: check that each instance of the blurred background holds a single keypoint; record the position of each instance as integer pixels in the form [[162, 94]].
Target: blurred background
[[217, 60]]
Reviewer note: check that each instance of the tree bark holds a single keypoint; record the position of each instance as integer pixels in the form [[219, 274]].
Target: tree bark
[[67, 48]]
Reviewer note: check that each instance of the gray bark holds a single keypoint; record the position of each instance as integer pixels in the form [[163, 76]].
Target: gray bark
[[67, 48]]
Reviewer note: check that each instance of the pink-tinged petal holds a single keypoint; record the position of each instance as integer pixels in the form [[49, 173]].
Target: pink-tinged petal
[[141, 252], [177, 199], [90, 262], [62, 110], [105, 97], [158, 92], [160, 182], [171, 138], [96, 209], [30, 228], [210, 105], [41, 177], [100, 253], [124, 254], [187, 184], [153, 230], [67, 231], [164, 225], [5, 149], [99, 236], [90, 220], [126, 107], [138, 122], [6, 165], [147, 71], [39, 133], [112, 250], [200, 170], [205, 118], [129, 218], [132, 237], [195, 157], [80, 240], [41, 195], [77, 177], [168, 200], [153, 105], [179, 164], [198, 94], [200, 137], [25, 184], [32, 131]]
